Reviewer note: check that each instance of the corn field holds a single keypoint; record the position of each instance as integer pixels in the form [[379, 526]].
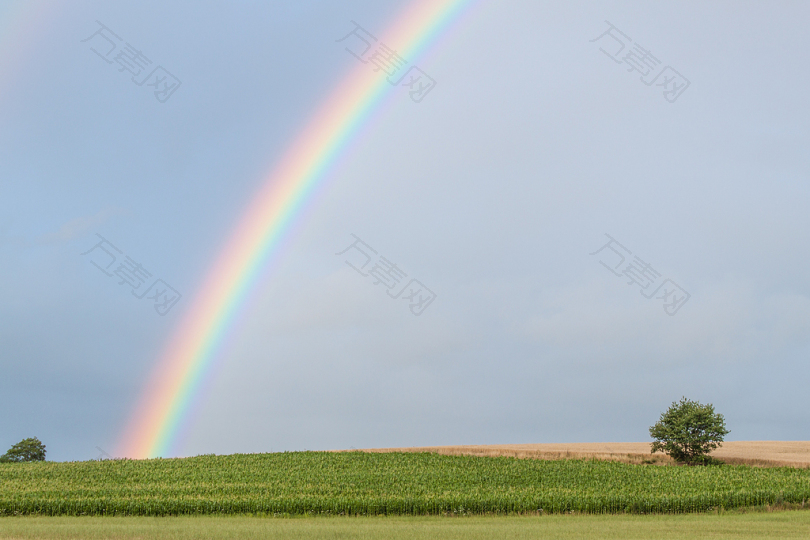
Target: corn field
[[357, 483]]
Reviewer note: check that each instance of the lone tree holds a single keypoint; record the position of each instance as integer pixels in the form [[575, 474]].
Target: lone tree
[[688, 431], [25, 450]]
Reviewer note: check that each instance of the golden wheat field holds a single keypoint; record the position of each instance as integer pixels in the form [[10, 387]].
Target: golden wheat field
[[755, 453]]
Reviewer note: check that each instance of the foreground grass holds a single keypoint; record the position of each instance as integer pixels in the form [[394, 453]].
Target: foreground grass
[[783, 525], [360, 483]]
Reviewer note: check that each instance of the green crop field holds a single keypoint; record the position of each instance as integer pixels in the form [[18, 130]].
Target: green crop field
[[356, 483]]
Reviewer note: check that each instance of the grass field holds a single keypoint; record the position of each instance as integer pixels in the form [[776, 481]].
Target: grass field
[[782, 525], [358, 483]]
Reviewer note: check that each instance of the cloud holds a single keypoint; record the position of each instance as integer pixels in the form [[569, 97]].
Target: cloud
[[79, 226]]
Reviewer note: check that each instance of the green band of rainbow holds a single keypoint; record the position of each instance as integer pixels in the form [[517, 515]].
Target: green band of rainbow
[[192, 350]]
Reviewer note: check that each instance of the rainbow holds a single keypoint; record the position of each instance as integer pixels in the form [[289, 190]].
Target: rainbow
[[22, 27], [192, 350]]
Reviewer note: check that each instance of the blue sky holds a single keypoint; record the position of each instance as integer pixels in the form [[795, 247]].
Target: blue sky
[[492, 191]]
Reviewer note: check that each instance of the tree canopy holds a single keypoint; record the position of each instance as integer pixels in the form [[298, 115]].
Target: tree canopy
[[26, 450], [688, 431]]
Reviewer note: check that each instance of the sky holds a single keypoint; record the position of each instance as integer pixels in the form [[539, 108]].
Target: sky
[[607, 201]]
